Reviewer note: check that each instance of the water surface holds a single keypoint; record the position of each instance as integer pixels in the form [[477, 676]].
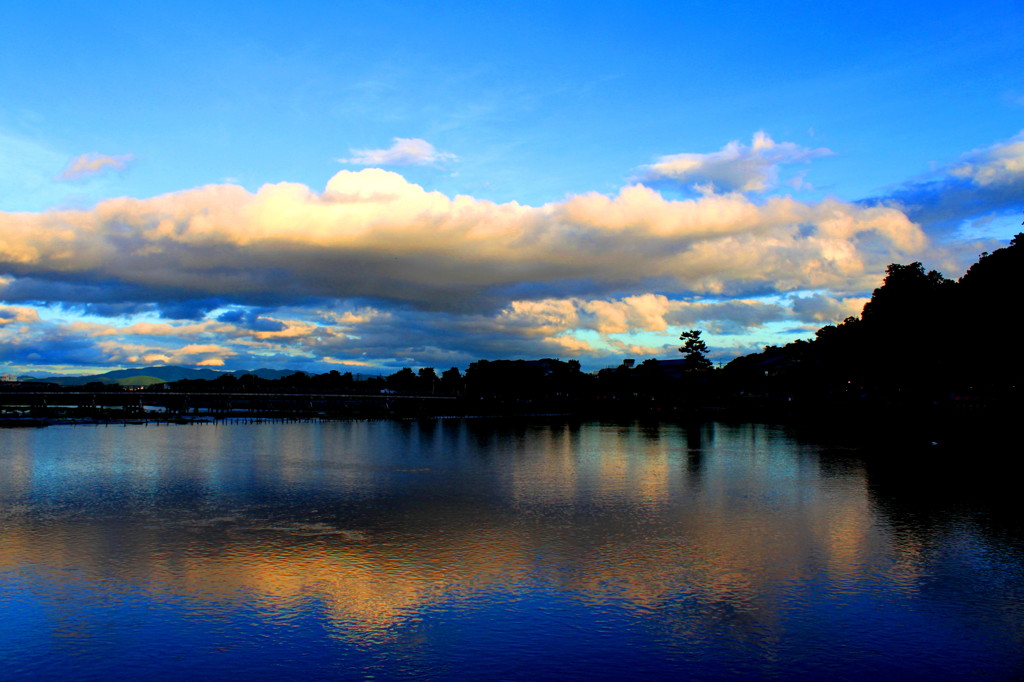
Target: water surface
[[455, 549]]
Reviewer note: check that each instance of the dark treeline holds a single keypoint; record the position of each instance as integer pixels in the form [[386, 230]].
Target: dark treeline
[[928, 360], [923, 345], [921, 339]]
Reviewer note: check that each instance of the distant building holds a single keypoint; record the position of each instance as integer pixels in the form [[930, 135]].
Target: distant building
[[9, 378]]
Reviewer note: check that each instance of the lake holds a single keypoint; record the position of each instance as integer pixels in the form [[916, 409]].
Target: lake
[[493, 549]]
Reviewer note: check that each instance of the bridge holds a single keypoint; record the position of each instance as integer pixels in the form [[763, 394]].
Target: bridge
[[176, 404]]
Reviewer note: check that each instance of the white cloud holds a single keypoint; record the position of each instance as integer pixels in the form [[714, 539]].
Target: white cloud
[[983, 185], [996, 165], [404, 151], [545, 317], [92, 164], [632, 313], [736, 167], [373, 235]]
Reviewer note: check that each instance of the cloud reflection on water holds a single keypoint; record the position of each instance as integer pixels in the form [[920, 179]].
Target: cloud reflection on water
[[714, 531]]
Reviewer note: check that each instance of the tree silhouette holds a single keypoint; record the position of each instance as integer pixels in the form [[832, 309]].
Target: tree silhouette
[[428, 379], [451, 381], [695, 351], [403, 381]]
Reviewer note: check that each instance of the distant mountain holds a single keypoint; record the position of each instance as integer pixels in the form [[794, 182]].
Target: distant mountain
[[140, 381], [166, 373]]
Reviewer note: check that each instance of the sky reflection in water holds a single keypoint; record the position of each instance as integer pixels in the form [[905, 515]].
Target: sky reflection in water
[[469, 548]]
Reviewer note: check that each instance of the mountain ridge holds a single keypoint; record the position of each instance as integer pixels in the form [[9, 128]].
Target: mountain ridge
[[167, 373]]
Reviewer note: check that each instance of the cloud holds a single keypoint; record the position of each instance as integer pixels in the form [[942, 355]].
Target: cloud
[[350, 363], [252, 320], [17, 314], [93, 164], [404, 151], [632, 313], [26, 339], [983, 184], [379, 273], [598, 331], [824, 309], [736, 168], [373, 235], [198, 355], [658, 313], [1000, 164]]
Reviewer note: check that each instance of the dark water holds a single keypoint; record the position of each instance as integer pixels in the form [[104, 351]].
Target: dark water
[[467, 550]]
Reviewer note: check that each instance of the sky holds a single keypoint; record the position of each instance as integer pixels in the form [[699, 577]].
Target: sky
[[369, 186]]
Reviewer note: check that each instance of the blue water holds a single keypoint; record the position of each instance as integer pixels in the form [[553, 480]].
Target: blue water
[[479, 549]]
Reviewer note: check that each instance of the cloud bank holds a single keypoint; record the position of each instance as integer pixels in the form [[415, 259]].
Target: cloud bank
[[372, 234], [375, 271]]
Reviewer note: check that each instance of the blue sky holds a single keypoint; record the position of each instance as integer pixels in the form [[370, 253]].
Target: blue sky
[[341, 186]]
